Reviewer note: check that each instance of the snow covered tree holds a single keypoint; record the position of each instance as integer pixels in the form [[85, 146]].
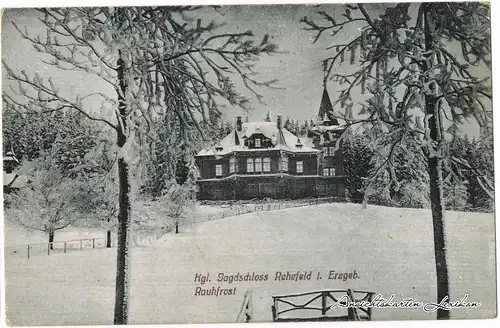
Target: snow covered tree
[[415, 61], [304, 128], [296, 128], [473, 162], [455, 194], [228, 128], [157, 62], [357, 164], [73, 144], [268, 117], [288, 124], [30, 134], [51, 201]]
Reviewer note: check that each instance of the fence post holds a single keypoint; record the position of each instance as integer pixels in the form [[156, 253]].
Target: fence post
[[48, 249], [81, 244], [64, 247], [93, 243], [323, 303], [28, 251]]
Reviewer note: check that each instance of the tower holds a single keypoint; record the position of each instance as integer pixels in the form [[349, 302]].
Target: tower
[[325, 115], [327, 129]]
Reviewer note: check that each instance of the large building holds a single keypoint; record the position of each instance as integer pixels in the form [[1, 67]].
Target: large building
[[263, 159]]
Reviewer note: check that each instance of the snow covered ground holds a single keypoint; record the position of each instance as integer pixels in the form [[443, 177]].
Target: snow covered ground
[[390, 248]]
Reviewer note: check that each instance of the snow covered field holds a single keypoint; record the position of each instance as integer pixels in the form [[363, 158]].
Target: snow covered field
[[390, 248]]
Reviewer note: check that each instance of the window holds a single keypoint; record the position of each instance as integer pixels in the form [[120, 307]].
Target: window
[[249, 164], [257, 142], [218, 170], [329, 172], [300, 166], [325, 151], [267, 164], [232, 165], [258, 165], [284, 163]]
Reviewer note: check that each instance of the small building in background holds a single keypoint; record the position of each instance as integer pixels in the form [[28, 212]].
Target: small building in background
[[265, 160], [11, 180]]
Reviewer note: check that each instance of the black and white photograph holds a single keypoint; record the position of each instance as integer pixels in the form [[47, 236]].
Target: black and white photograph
[[247, 163]]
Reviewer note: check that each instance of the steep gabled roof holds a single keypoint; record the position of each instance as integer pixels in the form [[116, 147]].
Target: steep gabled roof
[[281, 138], [326, 108]]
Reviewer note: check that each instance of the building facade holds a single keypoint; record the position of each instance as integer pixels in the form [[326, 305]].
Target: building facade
[[263, 159]]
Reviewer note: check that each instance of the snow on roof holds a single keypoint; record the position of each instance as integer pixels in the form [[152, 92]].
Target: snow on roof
[[323, 128], [13, 180], [10, 156], [269, 130]]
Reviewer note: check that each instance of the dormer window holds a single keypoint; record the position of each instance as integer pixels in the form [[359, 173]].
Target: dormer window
[[257, 143], [329, 151]]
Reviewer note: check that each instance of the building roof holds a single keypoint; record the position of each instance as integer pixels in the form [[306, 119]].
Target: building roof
[[10, 157], [13, 180], [326, 109], [282, 139]]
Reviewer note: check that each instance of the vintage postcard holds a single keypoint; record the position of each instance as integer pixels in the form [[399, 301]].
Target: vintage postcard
[[256, 163]]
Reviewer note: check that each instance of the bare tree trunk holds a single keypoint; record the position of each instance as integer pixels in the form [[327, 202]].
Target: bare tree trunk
[[436, 186], [122, 287], [51, 239], [108, 239], [436, 191]]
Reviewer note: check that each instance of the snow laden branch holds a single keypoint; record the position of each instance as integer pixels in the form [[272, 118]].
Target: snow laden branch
[[35, 95], [165, 73], [415, 60], [51, 201], [391, 62]]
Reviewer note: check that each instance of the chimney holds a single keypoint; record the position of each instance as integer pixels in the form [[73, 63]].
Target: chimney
[[279, 123], [238, 124]]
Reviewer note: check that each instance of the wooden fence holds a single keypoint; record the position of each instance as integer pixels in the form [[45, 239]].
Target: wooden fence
[[239, 209], [327, 305], [56, 247], [233, 210]]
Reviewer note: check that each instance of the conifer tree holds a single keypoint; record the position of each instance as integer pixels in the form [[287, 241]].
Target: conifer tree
[[157, 62]]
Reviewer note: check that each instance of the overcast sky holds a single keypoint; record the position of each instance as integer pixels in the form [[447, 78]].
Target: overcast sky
[[297, 66]]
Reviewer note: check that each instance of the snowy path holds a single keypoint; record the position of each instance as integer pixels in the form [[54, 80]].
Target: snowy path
[[390, 248]]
